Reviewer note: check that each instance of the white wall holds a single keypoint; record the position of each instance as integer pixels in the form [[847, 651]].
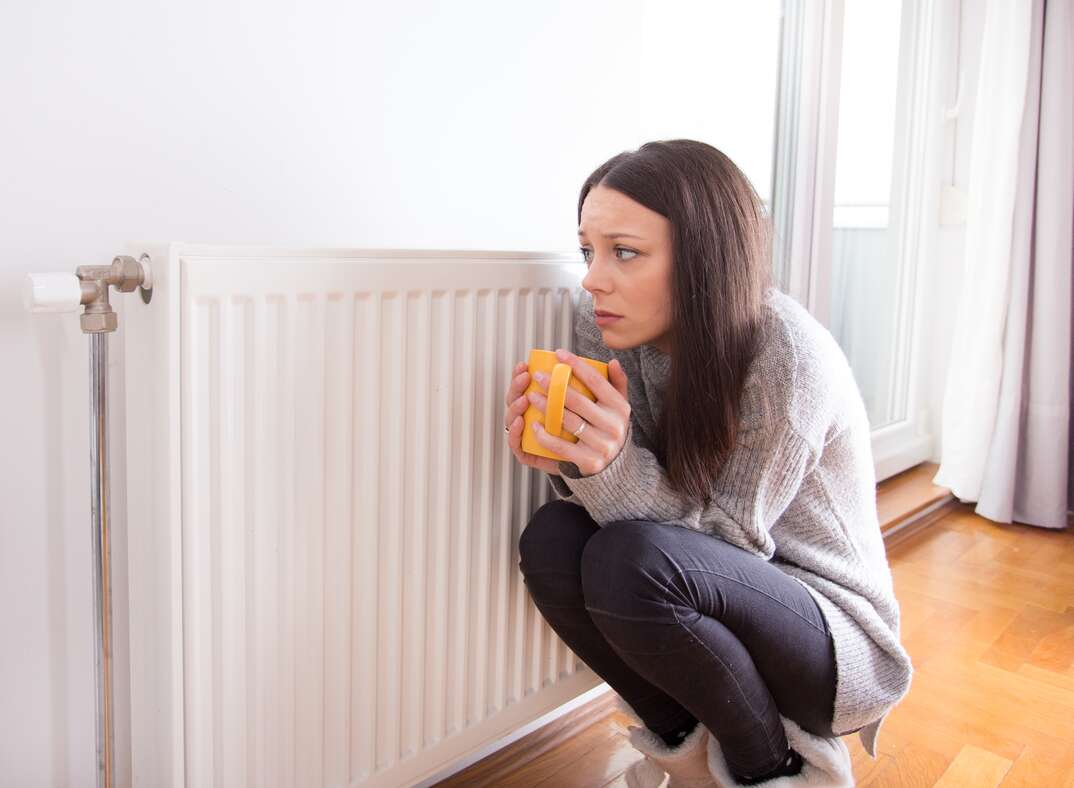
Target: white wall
[[412, 124]]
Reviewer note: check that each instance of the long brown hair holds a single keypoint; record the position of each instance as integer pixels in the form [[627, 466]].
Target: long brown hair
[[721, 269]]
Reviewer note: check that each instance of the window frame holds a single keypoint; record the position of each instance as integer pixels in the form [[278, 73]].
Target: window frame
[[803, 181]]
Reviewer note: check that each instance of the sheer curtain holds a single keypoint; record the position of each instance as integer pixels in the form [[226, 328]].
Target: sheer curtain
[[1007, 404]]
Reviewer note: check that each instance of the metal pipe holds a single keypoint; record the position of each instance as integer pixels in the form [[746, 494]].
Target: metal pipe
[[102, 556], [88, 287]]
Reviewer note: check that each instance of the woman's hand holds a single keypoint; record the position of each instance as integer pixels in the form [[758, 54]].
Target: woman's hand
[[607, 418], [516, 406]]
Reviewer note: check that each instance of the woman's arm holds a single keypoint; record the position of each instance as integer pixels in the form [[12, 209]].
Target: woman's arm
[[752, 490]]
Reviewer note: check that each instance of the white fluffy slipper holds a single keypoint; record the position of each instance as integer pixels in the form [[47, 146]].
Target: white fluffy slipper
[[825, 762], [686, 764]]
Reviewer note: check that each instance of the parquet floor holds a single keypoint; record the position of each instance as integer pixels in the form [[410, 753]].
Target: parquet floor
[[988, 619]]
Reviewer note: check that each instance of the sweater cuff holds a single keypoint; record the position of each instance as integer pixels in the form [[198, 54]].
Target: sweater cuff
[[562, 491]]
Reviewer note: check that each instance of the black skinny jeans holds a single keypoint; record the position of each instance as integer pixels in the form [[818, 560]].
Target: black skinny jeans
[[683, 624]]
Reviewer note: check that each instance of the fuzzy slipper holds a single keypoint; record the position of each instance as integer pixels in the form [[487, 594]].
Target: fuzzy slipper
[[825, 762], [686, 764]]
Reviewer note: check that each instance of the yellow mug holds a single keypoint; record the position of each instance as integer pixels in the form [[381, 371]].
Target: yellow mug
[[560, 377]]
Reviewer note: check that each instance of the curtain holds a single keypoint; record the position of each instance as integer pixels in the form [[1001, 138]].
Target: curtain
[[1005, 441]]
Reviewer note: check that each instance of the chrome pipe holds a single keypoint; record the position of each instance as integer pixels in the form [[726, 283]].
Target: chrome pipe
[[89, 287], [102, 557]]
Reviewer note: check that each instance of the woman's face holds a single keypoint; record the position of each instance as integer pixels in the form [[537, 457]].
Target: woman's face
[[627, 248]]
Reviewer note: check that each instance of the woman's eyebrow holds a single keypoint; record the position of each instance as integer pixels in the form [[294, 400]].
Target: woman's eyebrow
[[616, 235]]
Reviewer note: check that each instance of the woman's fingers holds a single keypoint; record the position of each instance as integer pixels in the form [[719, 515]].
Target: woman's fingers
[[517, 403], [518, 383], [514, 440], [603, 389], [515, 410], [515, 388], [571, 421], [578, 407]]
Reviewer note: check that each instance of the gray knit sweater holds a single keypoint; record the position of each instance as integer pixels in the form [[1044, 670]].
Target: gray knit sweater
[[799, 490]]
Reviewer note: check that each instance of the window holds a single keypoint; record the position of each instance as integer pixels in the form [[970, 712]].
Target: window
[[849, 191]]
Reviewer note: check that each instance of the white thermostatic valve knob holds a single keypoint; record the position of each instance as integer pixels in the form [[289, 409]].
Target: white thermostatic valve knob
[[52, 292]]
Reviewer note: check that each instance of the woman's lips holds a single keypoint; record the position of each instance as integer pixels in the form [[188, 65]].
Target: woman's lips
[[604, 318]]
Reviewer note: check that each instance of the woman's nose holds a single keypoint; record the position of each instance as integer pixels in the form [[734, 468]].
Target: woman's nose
[[595, 278]]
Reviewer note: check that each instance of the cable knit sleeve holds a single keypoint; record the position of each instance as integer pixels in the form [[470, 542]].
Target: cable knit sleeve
[[759, 480]]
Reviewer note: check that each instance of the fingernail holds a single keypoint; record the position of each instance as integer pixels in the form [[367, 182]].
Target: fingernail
[[541, 377], [562, 354]]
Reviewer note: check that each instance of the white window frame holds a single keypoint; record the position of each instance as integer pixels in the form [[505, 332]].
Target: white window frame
[[803, 173]]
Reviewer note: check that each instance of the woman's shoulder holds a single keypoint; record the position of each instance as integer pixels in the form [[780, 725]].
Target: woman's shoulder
[[796, 333], [768, 390], [800, 350]]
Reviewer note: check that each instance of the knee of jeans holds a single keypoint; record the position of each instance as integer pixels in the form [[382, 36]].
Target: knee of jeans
[[622, 566], [552, 540]]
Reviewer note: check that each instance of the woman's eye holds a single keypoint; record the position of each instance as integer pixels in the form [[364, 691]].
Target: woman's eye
[[586, 252]]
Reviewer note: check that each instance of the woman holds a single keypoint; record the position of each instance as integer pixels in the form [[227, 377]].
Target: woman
[[714, 552]]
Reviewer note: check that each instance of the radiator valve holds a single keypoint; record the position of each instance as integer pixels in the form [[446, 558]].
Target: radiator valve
[[88, 287]]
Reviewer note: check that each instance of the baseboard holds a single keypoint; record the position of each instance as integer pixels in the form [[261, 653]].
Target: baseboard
[[494, 769]]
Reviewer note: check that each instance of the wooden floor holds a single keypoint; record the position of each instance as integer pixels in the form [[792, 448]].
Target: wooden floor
[[988, 620]]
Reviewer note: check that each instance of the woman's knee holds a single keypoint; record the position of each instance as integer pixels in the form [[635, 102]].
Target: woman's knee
[[554, 538], [624, 562], [628, 574]]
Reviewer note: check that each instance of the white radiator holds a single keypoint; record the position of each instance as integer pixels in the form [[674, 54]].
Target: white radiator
[[323, 514]]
